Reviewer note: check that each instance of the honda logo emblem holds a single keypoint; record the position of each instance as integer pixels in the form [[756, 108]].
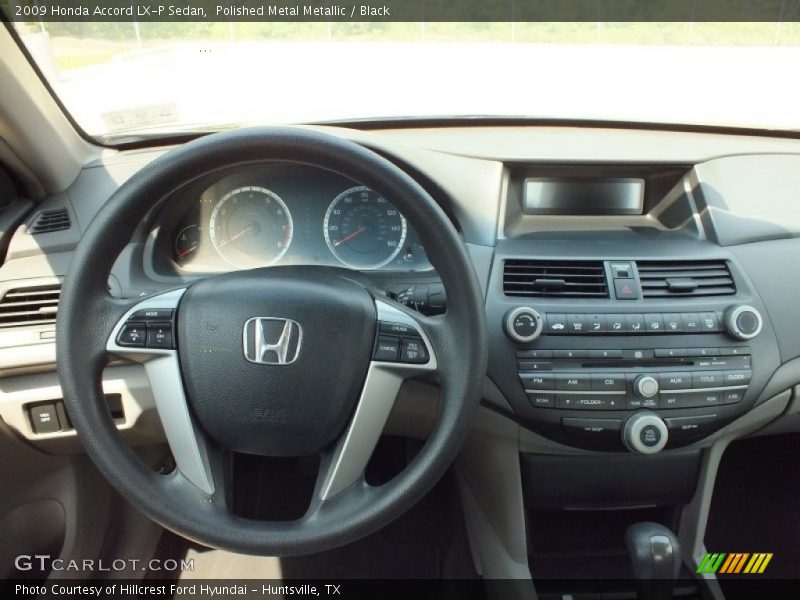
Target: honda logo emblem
[[272, 341]]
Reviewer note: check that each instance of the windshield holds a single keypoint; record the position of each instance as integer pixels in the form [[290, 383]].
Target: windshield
[[118, 79]]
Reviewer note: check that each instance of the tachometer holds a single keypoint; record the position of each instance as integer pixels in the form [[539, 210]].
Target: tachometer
[[363, 230], [251, 226]]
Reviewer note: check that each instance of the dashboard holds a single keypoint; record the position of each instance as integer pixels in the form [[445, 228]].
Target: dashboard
[[282, 214]]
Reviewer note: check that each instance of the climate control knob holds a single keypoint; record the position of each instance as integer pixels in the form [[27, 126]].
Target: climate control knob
[[645, 386], [523, 324], [645, 433], [743, 322]]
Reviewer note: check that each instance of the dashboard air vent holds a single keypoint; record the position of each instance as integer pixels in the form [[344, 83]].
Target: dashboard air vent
[[34, 305], [48, 221], [680, 278], [564, 278]]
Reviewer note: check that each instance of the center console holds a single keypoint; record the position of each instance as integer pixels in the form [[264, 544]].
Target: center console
[[638, 337]]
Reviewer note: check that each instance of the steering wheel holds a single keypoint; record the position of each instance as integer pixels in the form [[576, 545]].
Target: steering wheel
[[279, 361]]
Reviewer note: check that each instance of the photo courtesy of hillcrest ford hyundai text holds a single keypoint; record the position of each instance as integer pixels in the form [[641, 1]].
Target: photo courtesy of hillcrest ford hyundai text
[[434, 299]]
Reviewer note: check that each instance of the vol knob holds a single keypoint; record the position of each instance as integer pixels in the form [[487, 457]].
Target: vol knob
[[645, 433], [743, 322], [523, 324], [645, 386]]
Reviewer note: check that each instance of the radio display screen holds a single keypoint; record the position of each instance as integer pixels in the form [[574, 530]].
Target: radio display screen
[[583, 196]]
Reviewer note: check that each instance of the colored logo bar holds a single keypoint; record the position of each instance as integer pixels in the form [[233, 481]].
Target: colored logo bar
[[735, 562]]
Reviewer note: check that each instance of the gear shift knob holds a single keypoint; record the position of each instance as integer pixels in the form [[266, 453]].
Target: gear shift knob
[[656, 559]]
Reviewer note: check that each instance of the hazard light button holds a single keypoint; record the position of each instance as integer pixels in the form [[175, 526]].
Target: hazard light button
[[626, 289]]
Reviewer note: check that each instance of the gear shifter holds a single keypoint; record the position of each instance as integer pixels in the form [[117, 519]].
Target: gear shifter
[[656, 559]]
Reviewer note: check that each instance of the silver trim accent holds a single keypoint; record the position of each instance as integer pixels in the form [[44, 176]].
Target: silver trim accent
[[633, 428], [513, 314], [261, 348], [620, 393], [733, 314], [355, 447], [161, 365], [645, 392]]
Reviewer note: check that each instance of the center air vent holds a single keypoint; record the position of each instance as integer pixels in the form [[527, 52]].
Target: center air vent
[[48, 221], [681, 278], [564, 278], [34, 305]]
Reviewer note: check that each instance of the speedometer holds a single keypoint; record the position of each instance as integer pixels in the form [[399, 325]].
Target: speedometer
[[251, 227], [363, 230]]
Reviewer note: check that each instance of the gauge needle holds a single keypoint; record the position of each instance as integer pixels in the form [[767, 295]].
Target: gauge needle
[[347, 238], [244, 231], [188, 251]]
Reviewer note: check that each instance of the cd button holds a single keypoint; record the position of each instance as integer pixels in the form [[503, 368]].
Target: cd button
[[608, 382]]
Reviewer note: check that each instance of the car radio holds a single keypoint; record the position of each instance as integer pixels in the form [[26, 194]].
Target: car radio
[[628, 380]]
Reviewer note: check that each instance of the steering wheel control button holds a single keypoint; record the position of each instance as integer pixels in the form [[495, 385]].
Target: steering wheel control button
[[523, 324], [133, 335], [645, 386], [743, 322], [153, 314], [645, 433], [396, 328], [387, 349], [159, 335], [413, 351], [44, 419]]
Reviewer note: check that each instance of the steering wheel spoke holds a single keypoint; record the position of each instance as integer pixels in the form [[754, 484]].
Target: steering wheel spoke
[[344, 465], [140, 335]]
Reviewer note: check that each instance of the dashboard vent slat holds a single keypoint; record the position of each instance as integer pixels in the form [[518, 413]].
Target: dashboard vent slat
[[565, 278], [682, 278], [34, 305], [48, 221]]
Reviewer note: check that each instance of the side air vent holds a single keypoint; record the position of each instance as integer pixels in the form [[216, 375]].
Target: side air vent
[[48, 221], [681, 278], [34, 305], [564, 278]]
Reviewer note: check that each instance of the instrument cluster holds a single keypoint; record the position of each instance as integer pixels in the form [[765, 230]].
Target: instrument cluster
[[283, 214]]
